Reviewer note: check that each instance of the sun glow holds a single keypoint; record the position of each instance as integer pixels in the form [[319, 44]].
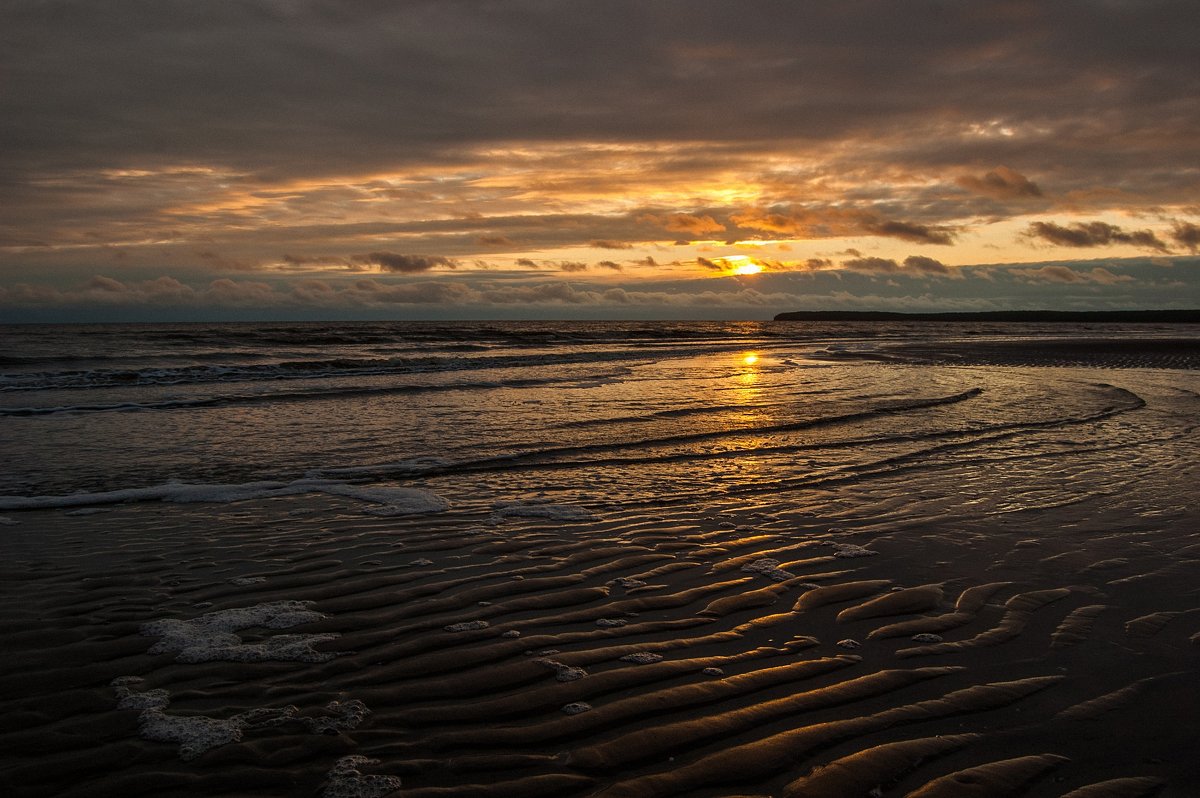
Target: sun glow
[[739, 264], [750, 358]]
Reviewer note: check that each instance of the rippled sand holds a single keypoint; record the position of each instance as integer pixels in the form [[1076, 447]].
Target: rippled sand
[[1013, 621]]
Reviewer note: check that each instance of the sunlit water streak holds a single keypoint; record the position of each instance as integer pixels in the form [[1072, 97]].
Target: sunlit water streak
[[110, 407]]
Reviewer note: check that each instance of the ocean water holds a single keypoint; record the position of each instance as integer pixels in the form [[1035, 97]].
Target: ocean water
[[684, 406], [616, 559]]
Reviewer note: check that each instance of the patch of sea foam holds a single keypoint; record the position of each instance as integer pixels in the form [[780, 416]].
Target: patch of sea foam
[[346, 780], [552, 512], [196, 734], [213, 636]]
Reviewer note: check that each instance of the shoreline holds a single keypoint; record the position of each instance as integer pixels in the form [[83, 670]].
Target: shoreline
[[1034, 316]]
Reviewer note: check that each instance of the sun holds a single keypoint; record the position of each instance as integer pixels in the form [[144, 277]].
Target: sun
[[747, 268]]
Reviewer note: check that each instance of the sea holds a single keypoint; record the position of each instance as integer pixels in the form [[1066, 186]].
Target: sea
[[654, 559], [124, 412]]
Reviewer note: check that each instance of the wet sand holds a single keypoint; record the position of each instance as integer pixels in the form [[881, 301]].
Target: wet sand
[[959, 629]]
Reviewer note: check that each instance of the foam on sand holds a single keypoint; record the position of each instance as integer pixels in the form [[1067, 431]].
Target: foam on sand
[[546, 510], [346, 780], [195, 734], [213, 636]]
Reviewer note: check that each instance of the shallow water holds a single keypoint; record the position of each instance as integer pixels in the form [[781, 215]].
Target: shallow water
[[460, 551], [111, 407]]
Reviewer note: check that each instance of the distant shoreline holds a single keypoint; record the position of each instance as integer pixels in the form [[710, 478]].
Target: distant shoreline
[[1114, 316]]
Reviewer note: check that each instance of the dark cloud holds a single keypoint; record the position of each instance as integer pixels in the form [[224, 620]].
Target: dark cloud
[[930, 266], [572, 266], [685, 223], [907, 231], [1064, 274], [830, 222], [405, 264], [872, 265], [1093, 234], [610, 264], [252, 128], [316, 260], [913, 266], [526, 262], [1001, 183], [710, 264], [220, 262], [1186, 234], [604, 243]]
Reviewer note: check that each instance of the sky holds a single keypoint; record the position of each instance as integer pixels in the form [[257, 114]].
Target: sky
[[469, 159]]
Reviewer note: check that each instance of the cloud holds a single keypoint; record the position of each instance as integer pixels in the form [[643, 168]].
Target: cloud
[[837, 222], [610, 264], [604, 243], [872, 265], [1067, 275], [495, 241], [304, 261], [929, 266], [908, 231], [572, 266], [223, 263], [1093, 234], [1186, 234], [405, 264], [685, 223], [816, 264], [1001, 183], [913, 266]]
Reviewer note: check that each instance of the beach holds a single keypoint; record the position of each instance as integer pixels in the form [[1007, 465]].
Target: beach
[[754, 559]]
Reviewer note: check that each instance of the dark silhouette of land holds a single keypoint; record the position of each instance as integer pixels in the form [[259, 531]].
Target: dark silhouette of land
[[1041, 316]]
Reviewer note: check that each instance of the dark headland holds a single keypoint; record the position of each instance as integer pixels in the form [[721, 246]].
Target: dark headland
[[1041, 316]]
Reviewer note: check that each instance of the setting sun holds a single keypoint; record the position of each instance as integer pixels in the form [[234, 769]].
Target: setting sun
[[748, 268], [750, 358]]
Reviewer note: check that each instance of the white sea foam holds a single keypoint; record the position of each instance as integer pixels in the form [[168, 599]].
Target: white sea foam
[[391, 500], [610, 623], [199, 733], [212, 636], [847, 551], [768, 568], [128, 698], [467, 626], [562, 671], [195, 734], [346, 780], [346, 715], [553, 512]]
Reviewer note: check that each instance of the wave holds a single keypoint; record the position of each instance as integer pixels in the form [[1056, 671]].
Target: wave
[[311, 369], [394, 501], [337, 392], [546, 456]]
